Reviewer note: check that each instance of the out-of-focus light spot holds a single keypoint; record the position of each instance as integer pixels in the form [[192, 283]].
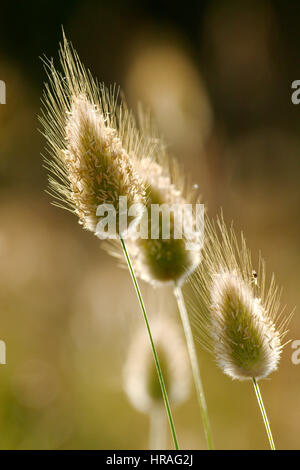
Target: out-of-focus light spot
[[163, 76], [35, 383]]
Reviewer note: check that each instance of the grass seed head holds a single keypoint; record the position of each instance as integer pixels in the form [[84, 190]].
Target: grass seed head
[[238, 319], [90, 142], [164, 261], [140, 376]]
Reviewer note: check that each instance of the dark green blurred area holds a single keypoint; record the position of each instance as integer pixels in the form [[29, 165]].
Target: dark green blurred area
[[217, 76]]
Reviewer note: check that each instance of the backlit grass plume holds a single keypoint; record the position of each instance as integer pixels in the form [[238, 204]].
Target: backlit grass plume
[[247, 343], [238, 317], [158, 260], [88, 142], [140, 379], [93, 145], [161, 260]]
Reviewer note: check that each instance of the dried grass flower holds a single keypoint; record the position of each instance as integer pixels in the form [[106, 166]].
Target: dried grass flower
[[90, 142], [160, 260], [237, 315], [140, 378]]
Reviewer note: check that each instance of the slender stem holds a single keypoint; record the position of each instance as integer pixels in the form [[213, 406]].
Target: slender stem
[[157, 438], [159, 372], [194, 364], [264, 414]]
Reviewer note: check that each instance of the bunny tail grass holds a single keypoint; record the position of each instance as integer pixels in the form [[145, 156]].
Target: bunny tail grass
[[263, 413], [194, 364], [159, 372]]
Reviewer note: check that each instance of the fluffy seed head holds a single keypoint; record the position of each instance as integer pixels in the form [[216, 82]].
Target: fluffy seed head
[[90, 151], [159, 261], [236, 316], [246, 342], [141, 383], [162, 261]]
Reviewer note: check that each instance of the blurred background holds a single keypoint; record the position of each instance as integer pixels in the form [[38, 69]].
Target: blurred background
[[217, 76]]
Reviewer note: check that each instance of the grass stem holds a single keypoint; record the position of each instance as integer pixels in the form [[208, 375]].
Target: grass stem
[[264, 414], [159, 372], [194, 364]]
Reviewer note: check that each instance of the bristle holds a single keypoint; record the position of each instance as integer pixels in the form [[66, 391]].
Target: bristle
[[236, 317]]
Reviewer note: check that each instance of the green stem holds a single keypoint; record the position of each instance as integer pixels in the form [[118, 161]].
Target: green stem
[[264, 414], [159, 372], [194, 364]]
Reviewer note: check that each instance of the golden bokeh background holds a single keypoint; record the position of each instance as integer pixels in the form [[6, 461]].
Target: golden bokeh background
[[217, 76]]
